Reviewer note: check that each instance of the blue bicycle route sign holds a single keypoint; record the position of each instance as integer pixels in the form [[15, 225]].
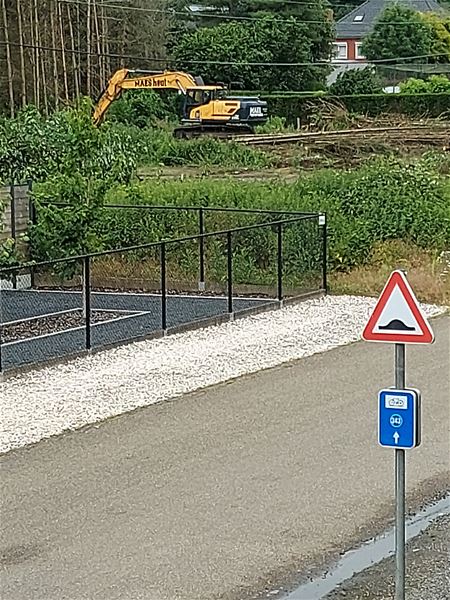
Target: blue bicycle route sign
[[399, 418]]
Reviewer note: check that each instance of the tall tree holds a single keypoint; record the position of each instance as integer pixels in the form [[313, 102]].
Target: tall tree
[[399, 33], [21, 52], [277, 34], [8, 57], [270, 53], [440, 34], [53, 49]]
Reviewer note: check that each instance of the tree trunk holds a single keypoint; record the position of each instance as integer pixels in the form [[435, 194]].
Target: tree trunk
[[52, 8], [81, 79], [74, 57], [106, 47], [99, 50], [21, 53], [33, 54], [88, 48], [37, 56], [104, 35], [8, 59], [39, 41], [124, 36], [63, 51]]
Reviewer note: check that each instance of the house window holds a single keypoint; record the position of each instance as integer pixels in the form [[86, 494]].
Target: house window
[[358, 18], [340, 51], [358, 51]]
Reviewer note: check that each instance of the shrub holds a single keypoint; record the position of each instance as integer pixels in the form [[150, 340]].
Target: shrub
[[71, 230], [384, 200], [33, 146], [436, 84], [144, 108], [293, 106], [356, 81], [36, 147]]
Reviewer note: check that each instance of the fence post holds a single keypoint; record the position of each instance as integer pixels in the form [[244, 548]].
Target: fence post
[[323, 222], [87, 300], [32, 219], [163, 287], [230, 272], [12, 193], [1, 362], [201, 250], [31, 206], [280, 262]]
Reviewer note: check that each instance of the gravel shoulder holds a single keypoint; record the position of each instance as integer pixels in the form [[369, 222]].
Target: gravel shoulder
[[427, 571]]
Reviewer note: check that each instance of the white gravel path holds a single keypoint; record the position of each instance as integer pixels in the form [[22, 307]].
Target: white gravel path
[[38, 404]]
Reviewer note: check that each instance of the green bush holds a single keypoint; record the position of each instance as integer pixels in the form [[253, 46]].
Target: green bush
[[384, 200], [33, 146], [356, 81], [274, 124], [36, 147], [436, 84], [158, 147], [293, 106], [145, 108], [70, 230]]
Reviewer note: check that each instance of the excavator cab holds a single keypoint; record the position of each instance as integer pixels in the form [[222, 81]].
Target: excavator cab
[[209, 109], [196, 97]]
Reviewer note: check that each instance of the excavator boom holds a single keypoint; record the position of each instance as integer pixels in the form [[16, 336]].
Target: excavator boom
[[174, 80]]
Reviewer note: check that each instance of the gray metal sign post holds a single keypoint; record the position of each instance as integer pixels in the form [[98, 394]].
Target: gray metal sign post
[[400, 491], [398, 319]]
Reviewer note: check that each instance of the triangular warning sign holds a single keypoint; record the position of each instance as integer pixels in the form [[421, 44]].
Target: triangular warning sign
[[397, 316]]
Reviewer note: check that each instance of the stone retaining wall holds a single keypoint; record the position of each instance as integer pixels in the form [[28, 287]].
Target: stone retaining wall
[[22, 210]]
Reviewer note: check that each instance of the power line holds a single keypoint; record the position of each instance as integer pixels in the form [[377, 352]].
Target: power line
[[187, 14], [396, 60], [292, 20]]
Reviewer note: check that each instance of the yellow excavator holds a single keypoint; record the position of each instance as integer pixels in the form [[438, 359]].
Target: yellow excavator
[[207, 109]]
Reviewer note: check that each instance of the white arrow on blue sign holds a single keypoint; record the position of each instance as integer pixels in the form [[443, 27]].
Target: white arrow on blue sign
[[399, 418]]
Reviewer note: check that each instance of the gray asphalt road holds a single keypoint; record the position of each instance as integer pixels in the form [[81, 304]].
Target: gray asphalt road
[[222, 493], [427, 573]]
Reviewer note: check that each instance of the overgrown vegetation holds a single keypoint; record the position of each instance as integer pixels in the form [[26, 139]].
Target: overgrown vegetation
[[293, 106], [428, 272], [384, 200], [33, 146], [73, 163]]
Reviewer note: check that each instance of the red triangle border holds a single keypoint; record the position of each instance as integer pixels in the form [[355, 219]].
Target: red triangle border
[[426, 337]]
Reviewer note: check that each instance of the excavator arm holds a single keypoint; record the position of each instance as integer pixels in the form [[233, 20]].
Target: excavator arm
[[206, 108], [120, 80]]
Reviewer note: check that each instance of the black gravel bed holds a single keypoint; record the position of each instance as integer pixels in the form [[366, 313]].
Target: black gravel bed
[[21, 304], [53, 323]]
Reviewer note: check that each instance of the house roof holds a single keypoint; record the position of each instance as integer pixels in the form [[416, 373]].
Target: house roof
[[360, 21]]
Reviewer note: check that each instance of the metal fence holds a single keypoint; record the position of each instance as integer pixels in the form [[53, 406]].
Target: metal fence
[[59, 308]]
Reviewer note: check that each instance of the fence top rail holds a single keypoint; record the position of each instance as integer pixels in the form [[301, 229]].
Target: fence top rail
[[215, 209], [79, 257], [261, 211]]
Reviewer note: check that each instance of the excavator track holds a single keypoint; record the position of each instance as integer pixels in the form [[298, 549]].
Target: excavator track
[[225, 131]]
